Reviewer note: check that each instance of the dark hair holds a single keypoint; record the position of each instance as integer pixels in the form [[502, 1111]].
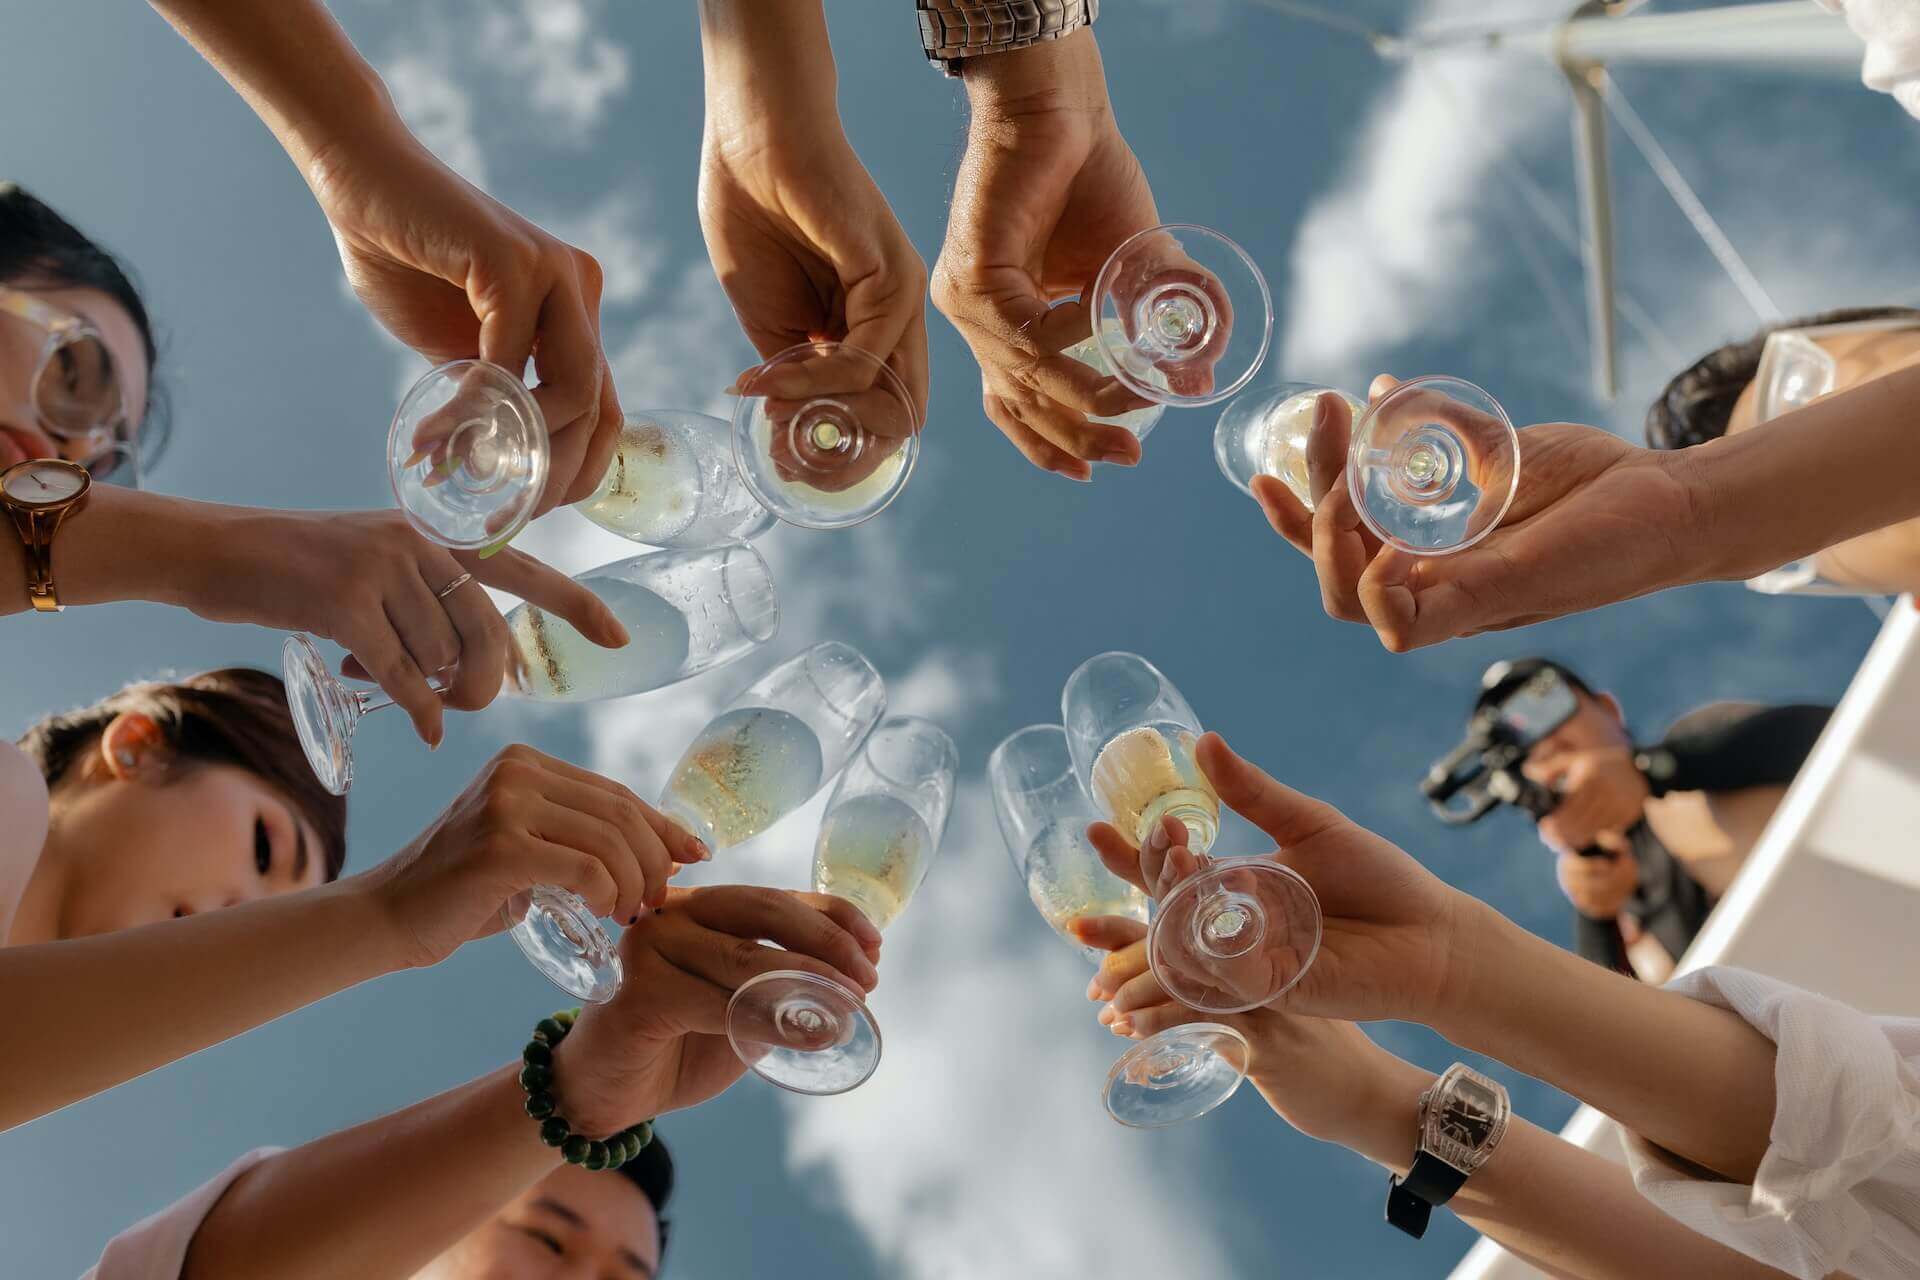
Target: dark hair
[[38, 244], [235, 716], [652, 1172], [1697, 404], [1503, 678]]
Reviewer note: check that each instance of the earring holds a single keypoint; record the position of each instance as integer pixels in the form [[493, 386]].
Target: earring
[[126, 758]]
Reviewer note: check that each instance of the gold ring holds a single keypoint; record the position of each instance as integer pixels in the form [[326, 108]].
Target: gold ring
[[454, 586]]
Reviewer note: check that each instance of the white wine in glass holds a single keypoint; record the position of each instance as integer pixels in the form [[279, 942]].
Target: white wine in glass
[[1137, 421], [673, 482], [1131, 735]]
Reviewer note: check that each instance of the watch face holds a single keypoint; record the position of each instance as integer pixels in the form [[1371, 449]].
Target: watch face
[[1465, 1118], [1468, 1113], [43, 482]]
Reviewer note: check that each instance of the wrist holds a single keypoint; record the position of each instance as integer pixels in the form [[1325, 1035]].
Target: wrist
[[1389, 1127], [1484, 952], [595, 1087], [1053, 75], [766, 67]]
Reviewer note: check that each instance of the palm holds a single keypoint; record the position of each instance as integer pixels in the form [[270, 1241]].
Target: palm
[[782, 289]]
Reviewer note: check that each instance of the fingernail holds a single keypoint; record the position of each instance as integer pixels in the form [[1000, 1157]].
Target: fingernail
[[1093, 989], [1120, 459], [1122, 1027], [1321, 409], [417, 457], [1157, 839]]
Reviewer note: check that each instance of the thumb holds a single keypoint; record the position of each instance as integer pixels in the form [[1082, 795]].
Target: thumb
[[1382, 385]]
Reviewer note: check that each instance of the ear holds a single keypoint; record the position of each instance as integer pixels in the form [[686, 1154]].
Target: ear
[[1612, 705], [133, 746]]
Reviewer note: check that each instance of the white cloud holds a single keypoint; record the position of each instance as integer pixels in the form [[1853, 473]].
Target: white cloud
[[571, 73], [438, 110]]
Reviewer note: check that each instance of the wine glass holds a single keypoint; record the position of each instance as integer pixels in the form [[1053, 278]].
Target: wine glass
[[775, 745], [1432, 467], [1131, 736], [1181, 315], [1181, 1073], [673, 483], [877, 839], [468, 454], [825, 435]]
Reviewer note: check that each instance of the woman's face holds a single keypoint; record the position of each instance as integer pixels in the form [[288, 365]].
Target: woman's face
[[21, 434], [136, 850]]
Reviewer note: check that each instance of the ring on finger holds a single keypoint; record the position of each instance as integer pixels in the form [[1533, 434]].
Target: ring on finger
[[453, 586]]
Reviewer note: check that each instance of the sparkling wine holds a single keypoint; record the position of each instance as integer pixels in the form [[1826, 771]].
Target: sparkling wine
[[873, 851], [672, 483], [747, 770], [1148, 772], [1066, 879], [555, 663], [1138, 421], [1284, 454]]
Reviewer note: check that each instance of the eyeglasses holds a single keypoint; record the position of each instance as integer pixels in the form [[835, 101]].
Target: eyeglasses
[[79, 391], [1795, 370]]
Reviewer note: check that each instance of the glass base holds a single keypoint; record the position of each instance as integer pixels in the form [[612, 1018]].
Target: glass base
[[467, 454], [1434, 465], [803, 1033], [1177, 1076], [324, 711], [1234, 936], [557, 932]]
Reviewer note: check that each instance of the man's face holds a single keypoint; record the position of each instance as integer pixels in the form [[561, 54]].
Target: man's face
[[1596, 724], [571, 1225], [1860, 356]]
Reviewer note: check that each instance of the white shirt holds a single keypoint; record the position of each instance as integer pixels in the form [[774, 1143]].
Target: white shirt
[[1839, 1186], [1891, 29], [156, 1248]]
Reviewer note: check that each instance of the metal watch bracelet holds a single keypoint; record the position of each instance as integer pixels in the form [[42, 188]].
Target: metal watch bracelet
[[952, 30]]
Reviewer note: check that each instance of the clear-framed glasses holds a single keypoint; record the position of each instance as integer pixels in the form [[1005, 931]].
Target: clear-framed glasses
[[775, 745], [877, 840], [673, 482], [79, 391], [468, 454], [1432, 466], [685, 612]]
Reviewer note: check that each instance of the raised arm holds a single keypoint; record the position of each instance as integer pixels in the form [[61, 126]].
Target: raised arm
[[448, 270]]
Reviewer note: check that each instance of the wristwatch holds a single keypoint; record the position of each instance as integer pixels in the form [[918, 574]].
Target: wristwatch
[[39, 493], [1462, 1119], [1658, 766], [951, 30]]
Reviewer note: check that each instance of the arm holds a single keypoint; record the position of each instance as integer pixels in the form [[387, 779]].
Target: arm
[[446, 269]]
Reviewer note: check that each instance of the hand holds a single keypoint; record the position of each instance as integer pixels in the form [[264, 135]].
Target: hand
[[808, 249], [527, 819], [1595, 520], [367, 580], [1600, 792], [1047, 190], [661, 1043], [1599, 887], [454, 274], [1393, 935], [1324, 1077]]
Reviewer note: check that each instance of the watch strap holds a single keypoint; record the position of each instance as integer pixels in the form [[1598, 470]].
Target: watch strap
[[951, 30], [1658, 766], [1430, 1183]]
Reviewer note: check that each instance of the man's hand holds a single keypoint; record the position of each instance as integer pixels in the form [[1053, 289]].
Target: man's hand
[[1595, 520], [1047, 190], [661, 1043], [1599, 888], [1601, 793]]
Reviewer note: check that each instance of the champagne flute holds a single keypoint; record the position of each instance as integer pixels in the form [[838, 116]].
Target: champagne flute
[[468, 454], [673, 483], [1181, 1073], [1131, 736], [1432, 467], [686, 612], [825, 435], [775, 745], [877, 840]]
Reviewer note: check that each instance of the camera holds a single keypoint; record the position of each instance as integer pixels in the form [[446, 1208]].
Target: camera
[[1483, 771]]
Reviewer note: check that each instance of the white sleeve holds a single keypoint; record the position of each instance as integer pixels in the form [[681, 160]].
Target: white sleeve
[[1891, 30], [1839, 1186], [156, 1248]]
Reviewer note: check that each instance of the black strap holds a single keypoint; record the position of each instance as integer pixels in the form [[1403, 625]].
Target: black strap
[[1429, 1184], [1727, 746]]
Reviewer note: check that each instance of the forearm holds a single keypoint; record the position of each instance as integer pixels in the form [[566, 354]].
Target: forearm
[[294, 66], [1816, 477], [1688, 1077], [107, 1008], [123, 544], [1558, 1207], [1066, 74], [765, 63], [381, 1199]]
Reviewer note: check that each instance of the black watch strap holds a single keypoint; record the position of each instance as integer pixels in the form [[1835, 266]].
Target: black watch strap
[[1658, 766], [1429, 1184]]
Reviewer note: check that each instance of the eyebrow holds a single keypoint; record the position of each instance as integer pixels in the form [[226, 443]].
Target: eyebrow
[[567, 1215]]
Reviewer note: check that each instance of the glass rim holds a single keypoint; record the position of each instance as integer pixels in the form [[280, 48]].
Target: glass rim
[[729, 551], [805, 659], [950, 761], [1000, 750], [1362, 424]]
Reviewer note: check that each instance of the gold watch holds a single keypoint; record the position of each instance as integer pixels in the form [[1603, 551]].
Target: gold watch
[[40, 493]]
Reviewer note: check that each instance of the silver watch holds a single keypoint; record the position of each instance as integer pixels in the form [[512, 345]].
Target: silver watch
[[951, 30]]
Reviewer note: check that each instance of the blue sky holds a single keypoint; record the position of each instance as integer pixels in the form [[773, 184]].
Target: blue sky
[[1370, 196]]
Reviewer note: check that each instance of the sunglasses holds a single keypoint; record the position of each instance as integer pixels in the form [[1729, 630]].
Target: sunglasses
[[79, 392]]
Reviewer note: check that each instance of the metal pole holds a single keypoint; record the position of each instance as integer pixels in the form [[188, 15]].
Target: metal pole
[[1596, 225], [1786, 35]]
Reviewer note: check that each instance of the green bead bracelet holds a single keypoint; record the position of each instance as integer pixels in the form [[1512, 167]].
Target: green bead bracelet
[[536, 1077]]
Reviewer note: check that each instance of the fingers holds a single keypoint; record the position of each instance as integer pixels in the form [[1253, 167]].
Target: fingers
[[629, 810], [1120, 967], [1382, 385], [803, 930], [416, 616], [1117, 853], [1158, 863], [1032, 445], [556, 821], [600, 447], [480, 666], [1327, 444], [1109, 933], [386, 660], [567, 355], [1286, 816], [548, 589], [564, 865], [848, 917], [1289, 517]]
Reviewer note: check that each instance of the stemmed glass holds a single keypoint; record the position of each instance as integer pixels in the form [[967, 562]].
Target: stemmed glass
[[825, 435], [877, 840], [1432, 467], [673, 483], [1179, 1074], [1230, 937], [685, 611], [775, 745], [468, 454]]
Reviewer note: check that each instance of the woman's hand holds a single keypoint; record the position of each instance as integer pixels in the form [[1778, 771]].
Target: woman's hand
[[1394, 936], [527, 819], [661, 1043], [368, 581]]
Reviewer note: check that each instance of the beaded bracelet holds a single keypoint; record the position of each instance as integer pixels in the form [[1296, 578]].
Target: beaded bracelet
[[536, 1077]]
